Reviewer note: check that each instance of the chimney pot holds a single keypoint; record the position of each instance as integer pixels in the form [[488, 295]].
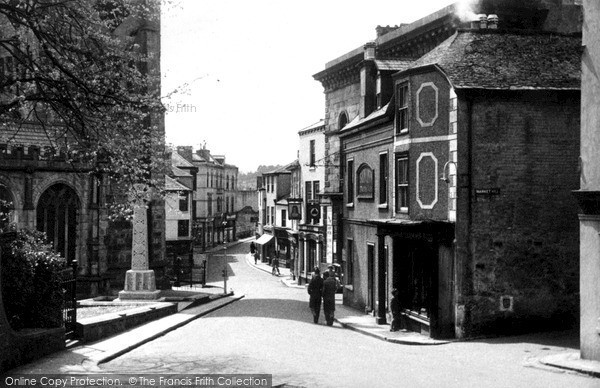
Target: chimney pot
[[483, 21], [492, 21], [369, 50]]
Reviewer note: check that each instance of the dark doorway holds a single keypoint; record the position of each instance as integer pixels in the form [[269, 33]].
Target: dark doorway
[[371, 276], [56, 215], [414, 276], [311, 255]]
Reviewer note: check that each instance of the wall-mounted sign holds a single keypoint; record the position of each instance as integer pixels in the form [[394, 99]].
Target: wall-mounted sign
[[313, 212], [294, 208], [491, 191]]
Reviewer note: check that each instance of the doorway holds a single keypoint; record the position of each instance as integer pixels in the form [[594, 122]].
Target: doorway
[[371, 277], [56, 215]]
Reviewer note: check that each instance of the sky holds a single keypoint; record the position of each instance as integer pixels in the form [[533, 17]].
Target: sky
[[237, 74]]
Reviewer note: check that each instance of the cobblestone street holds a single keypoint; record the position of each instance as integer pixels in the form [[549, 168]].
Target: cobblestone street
[[270, 331]]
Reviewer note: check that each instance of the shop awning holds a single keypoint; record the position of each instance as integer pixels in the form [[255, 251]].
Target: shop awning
[[264, 239]]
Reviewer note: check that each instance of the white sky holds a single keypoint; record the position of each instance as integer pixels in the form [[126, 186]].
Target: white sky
[[250, 65]]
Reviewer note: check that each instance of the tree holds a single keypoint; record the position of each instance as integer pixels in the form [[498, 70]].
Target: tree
[[84, 73]]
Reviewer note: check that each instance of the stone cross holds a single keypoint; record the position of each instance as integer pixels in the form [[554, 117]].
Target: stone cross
[[140, 282]]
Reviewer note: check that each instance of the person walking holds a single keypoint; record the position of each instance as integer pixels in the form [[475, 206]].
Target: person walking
[[275, 264], [256, 256], [315, 290], [330, 285], [252, 247]]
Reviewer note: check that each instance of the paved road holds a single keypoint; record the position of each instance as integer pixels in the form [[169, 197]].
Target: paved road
[[271, 331]]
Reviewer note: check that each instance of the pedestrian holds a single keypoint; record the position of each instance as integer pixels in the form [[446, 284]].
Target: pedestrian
[[256, 256], [395, 309], [330, 286], [275, 264], [315, 290], [252, 247]]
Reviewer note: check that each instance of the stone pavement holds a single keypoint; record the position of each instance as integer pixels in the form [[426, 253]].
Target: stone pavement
[[85, 358]]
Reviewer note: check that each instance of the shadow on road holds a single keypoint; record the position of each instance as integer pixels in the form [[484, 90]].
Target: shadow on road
[[564, 339], [270, 308]]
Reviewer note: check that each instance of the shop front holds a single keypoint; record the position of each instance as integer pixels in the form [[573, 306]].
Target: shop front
[[265, 246], [283, 247], [422, 270]]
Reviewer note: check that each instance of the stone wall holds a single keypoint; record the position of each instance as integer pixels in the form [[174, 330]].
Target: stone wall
[[524, 236]]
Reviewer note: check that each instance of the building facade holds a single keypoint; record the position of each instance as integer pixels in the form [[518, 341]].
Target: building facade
[[274, 223], [314, 250], [444, 195], [246, 213], [178, 219], [589, 194], [214, 202]]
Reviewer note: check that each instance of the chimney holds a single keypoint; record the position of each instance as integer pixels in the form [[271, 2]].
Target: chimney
[[492, 21], [381, 30], [482, 21], [203, 153], [368, 75], [369, 51], [185, 152]]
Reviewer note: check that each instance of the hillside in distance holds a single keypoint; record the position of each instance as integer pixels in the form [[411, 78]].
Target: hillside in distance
[[247, 181]]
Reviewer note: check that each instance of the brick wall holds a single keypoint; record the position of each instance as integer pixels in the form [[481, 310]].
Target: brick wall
[[524, 238]]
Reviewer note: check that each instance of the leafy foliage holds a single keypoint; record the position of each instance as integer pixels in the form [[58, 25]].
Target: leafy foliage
[[87, 74], [31, 282]]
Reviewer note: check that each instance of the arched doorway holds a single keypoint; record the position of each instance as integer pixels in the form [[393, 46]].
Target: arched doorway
[[56, 215]]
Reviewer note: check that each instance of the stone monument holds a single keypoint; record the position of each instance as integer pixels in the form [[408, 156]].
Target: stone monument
[[140, 282]]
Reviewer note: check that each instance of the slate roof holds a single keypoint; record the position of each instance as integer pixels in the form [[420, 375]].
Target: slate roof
[[508, 60], [179, 161], [172, 185], [381, 112], [392, 64], [318, 125], [29, 134], [283, 170], [179, 172]]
